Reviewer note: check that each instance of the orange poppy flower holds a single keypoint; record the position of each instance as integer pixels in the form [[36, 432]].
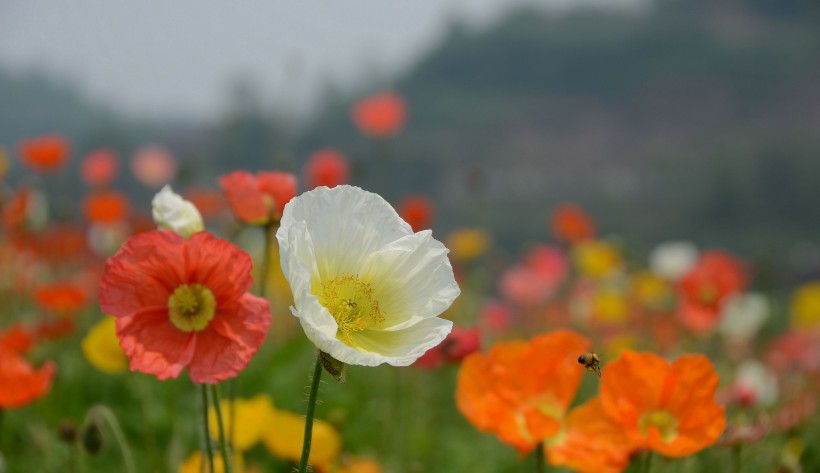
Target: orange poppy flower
[[63, 299], [105, 207], [666, 407], [590, 442], [570, 223], [327, 167], [259, 199], [100, 167], [381, 115], [520, 390], [16, 339], [418, 211], [154, 166], [703, 290], [20, 384], [44, 154], [184, 303]]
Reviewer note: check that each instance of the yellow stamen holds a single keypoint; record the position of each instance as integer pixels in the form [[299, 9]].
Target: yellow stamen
[[351, 302], [191, 307], [665, 422]]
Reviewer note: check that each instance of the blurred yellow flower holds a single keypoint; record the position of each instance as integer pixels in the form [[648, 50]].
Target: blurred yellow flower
[[650, 289], [358, 465], [805, 307], [610, 305], [253, 418], [197, 462], [286, 433], [468, 244], [102, 349], [597, 258]]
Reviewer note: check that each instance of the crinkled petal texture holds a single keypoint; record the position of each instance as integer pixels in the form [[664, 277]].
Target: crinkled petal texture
[[667, 407], [20, 384], [327, 234], [590, 442], [138, 282], [520, 390]]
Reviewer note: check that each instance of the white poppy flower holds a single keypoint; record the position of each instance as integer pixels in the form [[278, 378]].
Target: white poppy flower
[[366, 289], [172, 212], [743, 315], [756, 382], [674, 259]]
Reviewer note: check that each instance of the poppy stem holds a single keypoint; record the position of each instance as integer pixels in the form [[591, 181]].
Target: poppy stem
[[314, 389], [647, 462], [737, 457], [223, 445], [209, 449], [539, 458], [111, 420]]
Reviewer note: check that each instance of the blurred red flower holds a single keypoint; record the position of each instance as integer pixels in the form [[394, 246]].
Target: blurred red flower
[[458, 344], [327, 167], [570, 223], [16, 339], [184, 304], [45, 154], [20, 384], [106, 207], [535, 280], [418, 211], [666, 407], [154, 166], [259, 199], [495, 317], [209, 202], [381, 115], [716, 276], [520, 390], [100, 167], [16, 209], [63, 299]]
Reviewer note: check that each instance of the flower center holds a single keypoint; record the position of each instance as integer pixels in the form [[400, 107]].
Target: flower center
[[191, 307], [350, 301], [665, 422]]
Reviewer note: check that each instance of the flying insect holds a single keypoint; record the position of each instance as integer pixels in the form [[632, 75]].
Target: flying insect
[[591, 361]]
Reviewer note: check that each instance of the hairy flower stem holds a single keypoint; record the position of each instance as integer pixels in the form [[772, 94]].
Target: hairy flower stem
[[209, 449], [110, 420], [314, 389], [539, 458], [223, 444]]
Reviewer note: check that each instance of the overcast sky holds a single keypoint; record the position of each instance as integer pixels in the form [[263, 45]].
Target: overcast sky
[[153, 57]]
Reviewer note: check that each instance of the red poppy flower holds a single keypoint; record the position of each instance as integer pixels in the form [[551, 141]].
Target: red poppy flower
[[63, 299], [458, 344], [520, 390], [259, 199], [327, 167], [45, 154], [16, 209], [418, 211], [16, 339], [209, 202], [666, 407], [20, 384], [537, 278], [100, 167], [53, 329], [703, 290], [184, 304], [570, 223], [381, 115], [154, 166], [105, 207], [495, 317]]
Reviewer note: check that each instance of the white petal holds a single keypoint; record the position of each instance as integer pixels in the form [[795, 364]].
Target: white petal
[[743, 316], [412, 280], [674, 259], [403, 347], [172, 212]]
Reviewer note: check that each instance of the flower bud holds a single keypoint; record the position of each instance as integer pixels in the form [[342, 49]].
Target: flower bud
[[91, 438], [172, 212]]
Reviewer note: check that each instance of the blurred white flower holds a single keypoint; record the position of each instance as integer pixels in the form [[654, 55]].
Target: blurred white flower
[[172, 212], [755, 384], [366, 289], [674, 259], [743, 315]]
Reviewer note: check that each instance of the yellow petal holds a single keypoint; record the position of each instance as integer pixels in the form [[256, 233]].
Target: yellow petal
[[286, 433], [102, 348], [253, 418]]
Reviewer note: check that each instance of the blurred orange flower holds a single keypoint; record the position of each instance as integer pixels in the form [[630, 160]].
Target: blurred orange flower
[[154, 166], [418, 211], [520, 390], [716, 276], [590, 442], [327, 167], [16, 209], [666, 407], [259, 199], [209, 202], [105, 207], [570, 223], [100, 167], [63, 299], [16, 339], [44, 154], [20, 384], [381, 115]]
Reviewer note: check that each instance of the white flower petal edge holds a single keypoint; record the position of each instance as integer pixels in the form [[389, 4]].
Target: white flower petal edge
[[329, 233], [172, 212]]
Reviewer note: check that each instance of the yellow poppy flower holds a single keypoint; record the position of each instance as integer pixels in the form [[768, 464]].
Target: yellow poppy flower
[[194, 464], [469, 244], [102, 349], [805, 307], [358, 465], [286, 433], [650, 289], [597, 258], [253, 418]]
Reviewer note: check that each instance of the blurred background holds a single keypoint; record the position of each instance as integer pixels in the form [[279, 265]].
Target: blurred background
[[662, 118]]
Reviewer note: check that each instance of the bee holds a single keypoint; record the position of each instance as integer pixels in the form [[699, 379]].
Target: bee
[[591, 361]]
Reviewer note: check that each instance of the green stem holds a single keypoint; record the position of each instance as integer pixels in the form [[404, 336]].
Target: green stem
[[231, 410], [209, 448], [223, 445], [539, 458], [737, 457], [109, 418], [314, 389], [647, 462], [263, 276]]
